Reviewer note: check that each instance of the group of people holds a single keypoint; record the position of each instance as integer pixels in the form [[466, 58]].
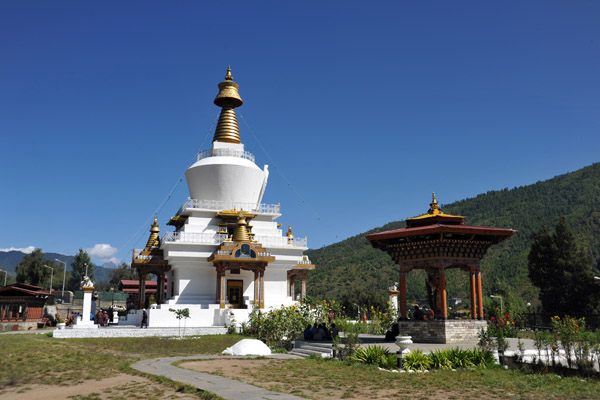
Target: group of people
[[102, 318], [320, 332]]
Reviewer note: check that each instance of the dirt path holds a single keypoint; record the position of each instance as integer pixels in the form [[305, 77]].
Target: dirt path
[[120, 386]]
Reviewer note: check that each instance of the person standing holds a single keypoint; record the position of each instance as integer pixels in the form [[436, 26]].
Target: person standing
[[144, 319]]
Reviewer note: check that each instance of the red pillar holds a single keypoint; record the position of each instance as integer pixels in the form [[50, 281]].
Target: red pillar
[[256, 292], [444, 304], [403, 313], [221, 285], [473, 297], [262, 287], [479, 296]]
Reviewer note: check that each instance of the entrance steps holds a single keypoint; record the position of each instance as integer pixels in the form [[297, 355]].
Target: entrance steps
[[304, 348]]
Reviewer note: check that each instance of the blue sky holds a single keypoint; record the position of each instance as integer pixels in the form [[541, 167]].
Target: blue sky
[[363, 108]]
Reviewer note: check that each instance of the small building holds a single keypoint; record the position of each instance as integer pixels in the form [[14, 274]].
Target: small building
[[22, 303], [132, 288]]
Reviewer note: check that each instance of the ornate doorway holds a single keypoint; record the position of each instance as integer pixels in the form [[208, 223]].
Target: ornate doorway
[[235, 293]]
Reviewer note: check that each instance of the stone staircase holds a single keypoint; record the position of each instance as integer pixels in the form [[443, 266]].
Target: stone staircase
[[305, 348]]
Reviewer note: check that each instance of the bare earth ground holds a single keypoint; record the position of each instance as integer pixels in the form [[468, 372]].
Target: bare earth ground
[[304, 386], [122, 386]]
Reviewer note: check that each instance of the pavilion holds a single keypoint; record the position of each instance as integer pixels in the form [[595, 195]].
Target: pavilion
[[436, 242]]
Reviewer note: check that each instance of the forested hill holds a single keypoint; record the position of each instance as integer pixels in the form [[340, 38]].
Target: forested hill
[[354, 271]]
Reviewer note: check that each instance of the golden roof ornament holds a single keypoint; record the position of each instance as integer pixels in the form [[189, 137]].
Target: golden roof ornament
[[241, 233], [290, 234], [433, 206], [153, 240], [228, 99]]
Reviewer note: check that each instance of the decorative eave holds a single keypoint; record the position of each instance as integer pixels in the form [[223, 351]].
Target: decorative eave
[[231, 216], [241, 253], [178, 221], [441, 232], [304, 266]]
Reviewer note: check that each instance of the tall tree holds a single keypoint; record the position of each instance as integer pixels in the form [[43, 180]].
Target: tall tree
[[561, 271], [123, 271], [81, 263], [115, 276], [31, 269]]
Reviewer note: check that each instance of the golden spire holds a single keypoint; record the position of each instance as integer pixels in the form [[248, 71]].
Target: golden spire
[[290, 234], [433, 206], [241, 233], [153, 240], [228, 98]]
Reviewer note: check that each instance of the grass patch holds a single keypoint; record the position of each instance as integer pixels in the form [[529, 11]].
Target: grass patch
[[326, 379], [40, 359]]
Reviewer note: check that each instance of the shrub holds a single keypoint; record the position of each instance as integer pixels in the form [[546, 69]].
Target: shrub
[[377, 355], [416, 360], [481, 358], [505, 325], [486, 340], [458, 358], [439, 360]]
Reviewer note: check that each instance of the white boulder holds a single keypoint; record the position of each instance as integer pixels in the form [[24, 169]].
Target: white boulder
[[247, 347]]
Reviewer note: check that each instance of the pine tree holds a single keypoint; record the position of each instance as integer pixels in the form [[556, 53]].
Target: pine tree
[[562, 272]]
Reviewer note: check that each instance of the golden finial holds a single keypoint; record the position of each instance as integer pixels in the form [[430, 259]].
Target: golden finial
[[153, 240], [433, 206], [228, 98], [290, 234]]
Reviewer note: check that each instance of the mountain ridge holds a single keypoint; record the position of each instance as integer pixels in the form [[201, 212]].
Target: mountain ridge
[[351, 269]]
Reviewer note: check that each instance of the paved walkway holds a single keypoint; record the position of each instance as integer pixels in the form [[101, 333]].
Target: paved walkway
[[229, 389], [236, 390]]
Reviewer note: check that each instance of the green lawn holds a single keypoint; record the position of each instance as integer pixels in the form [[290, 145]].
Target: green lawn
[[30, 359]]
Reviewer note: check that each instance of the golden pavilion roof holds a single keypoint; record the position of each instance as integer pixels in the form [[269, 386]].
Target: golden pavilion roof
[[434, 215]]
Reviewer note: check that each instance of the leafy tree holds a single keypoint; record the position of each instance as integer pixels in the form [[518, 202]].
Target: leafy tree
[[561, 271], [79, 267], [115, 276], [31, 269], [120, 273]]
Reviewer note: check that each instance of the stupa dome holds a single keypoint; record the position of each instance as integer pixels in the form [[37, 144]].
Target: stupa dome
[[227, 173]]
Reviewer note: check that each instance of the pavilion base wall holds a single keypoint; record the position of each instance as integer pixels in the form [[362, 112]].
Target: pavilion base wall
[[449, 331]]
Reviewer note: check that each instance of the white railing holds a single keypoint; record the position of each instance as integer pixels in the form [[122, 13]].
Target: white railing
[[194, 237], [138, 256], [225, 153], [304, 262], [281, 242], [218, 238], [218, 205]]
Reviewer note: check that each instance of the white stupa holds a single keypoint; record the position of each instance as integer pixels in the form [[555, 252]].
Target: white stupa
[[227, 253]]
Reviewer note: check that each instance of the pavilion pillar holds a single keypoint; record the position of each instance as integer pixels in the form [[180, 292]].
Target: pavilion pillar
[[142, 292], [473, 294], [403, 311], [256, 291], [292, 286], [287, 282], [479, 296], [303, 285], [221, 286], [262, 287], [443, 301], [160, 288]]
